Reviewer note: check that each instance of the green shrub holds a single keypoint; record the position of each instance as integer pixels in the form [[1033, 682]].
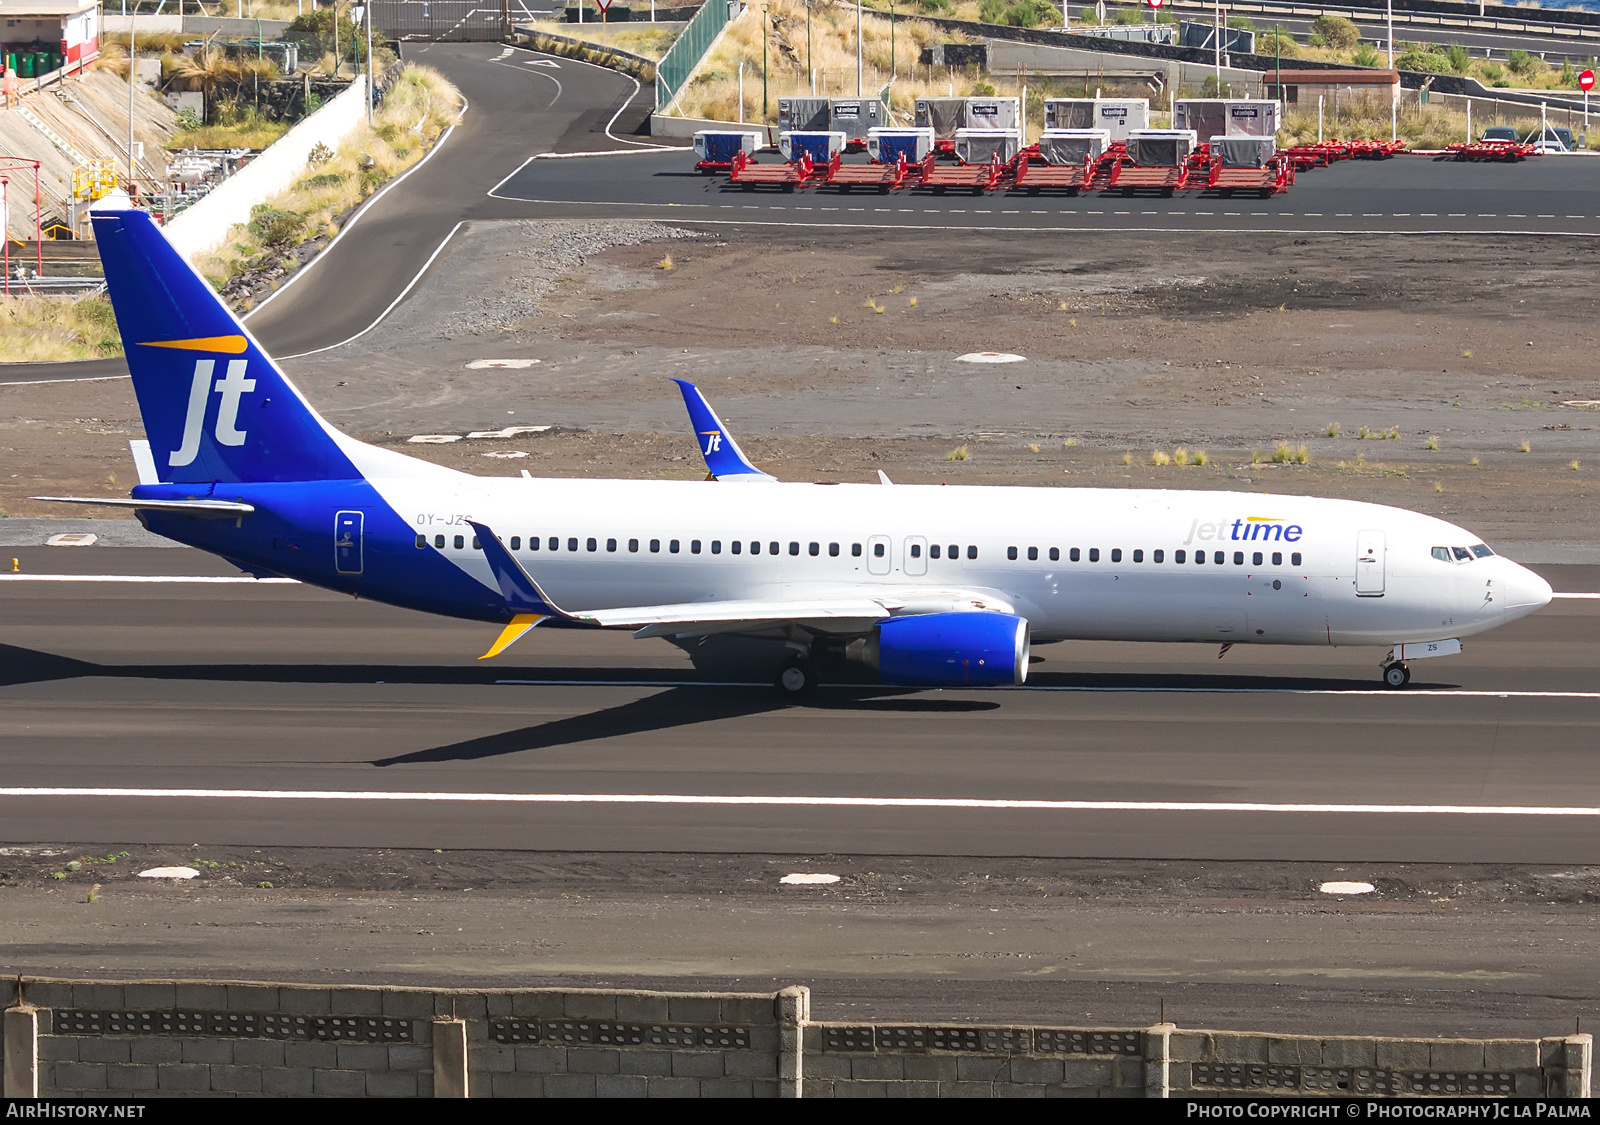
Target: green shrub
[[1365, 54], [1460, 58], [323, 180], [1240, 23], [1279, 41], [1334, 31], [1032, 13], [934, 7], [991, 11], [273, 227], [1425, 62]]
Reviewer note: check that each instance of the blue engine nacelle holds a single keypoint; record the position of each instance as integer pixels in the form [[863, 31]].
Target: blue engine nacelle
[[948, 650]]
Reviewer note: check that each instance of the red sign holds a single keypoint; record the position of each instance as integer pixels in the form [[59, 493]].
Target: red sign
[[1586, 81], [1154, 3], [604, 5]]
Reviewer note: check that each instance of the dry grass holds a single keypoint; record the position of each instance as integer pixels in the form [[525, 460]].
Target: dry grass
[[640, 39], [416, 110], [713, 92], [251, 133], [57, 329]]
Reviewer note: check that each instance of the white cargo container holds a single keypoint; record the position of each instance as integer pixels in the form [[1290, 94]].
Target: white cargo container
[[820, 146], [1160, 148], [721, 144], [946, 115], [1073, 146], [979, 146], [889, 144], [1115, 115], [1226, 117], [1244, 152]]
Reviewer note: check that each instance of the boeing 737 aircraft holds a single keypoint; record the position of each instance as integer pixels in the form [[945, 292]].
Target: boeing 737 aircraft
[[929, 585]]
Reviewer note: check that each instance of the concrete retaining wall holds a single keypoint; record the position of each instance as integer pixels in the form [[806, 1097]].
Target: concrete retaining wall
[[205, 225], [64, 1038], [116, 23], [686, 127]]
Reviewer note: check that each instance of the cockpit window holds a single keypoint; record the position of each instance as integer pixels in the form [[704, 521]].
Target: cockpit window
[[1462, 554], [1481, 550], [1442, 554]]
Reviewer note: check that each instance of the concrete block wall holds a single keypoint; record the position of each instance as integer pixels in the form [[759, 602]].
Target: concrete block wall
[[87, 1039]]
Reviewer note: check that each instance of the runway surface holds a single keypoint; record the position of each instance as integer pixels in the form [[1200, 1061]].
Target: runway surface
[[246, 712]]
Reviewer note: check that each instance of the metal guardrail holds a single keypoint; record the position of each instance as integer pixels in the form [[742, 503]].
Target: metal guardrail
[[1467, 21], [684, 55]]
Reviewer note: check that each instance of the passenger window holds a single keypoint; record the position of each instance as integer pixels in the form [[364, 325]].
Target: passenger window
[[833, 550], [1116, 554], [1180, 556], [1277, 558], [1094, 554], [633, 546], [955, 551], [592, 544], [611, 545], [694, 546], [554, 544], [916, 550], [438, 541], [972, 551], [736, 546], [1481, 550], [816, 549], [1294, 559], [1011, 552], [1033, 554], [1255, 559], [1138, 556], [1462, 554], [755, 547], [422, 541], [716, 546], [672, 547], [794, 548], [772, 548], [1238, 558], [877, 550], [572, 544], [516, 542], [1158, 556], [1442, 554], [855, 550], [460, 542], [655, 546], [1221, 556], [1073, 554], [933, 551], [475, 546], [1200, 558]]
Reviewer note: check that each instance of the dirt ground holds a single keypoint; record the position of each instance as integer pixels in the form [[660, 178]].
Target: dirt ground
[[833, 354]]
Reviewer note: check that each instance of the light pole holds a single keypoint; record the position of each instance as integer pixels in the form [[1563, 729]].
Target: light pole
[[369, 64], [132, 62], [1391, 34], [811, 70], [858, 48], [764, 34]]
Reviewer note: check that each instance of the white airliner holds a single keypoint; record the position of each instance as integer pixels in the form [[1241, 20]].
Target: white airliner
[[929, 585]]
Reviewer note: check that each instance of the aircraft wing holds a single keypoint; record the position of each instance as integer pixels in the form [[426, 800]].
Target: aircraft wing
[[843, 615], [724, 459]]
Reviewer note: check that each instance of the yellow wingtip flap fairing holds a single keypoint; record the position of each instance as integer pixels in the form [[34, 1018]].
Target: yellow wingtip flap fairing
[[520, 624]]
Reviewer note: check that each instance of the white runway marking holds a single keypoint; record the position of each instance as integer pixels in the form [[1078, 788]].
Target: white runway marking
[[46, 382], [211, 578], [1588, 596], [1382, 692], [995, 804]]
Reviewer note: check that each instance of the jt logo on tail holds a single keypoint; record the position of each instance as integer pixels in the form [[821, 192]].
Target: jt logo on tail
[[227, 431]]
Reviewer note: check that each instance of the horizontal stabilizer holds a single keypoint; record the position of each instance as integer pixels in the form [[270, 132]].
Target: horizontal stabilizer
[[216, 509], [724, 458]]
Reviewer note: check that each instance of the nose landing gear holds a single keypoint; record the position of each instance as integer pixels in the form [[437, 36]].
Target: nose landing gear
[[1396, 675]]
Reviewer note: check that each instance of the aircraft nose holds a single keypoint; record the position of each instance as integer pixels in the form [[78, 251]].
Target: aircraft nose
[[1524, 591]]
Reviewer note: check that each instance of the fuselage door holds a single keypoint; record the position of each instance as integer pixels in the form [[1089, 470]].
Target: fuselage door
[[347, 542], [1369, 564], [916, 557], [879, 554]]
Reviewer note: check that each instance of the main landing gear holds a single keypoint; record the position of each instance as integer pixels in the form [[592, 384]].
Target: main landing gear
[[798, 677], [1396, 675]]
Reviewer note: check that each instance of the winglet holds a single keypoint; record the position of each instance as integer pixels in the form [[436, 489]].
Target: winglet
[[724, 458], [521, 592]]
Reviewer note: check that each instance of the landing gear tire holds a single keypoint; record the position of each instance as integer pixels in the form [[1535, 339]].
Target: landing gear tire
[[1396, 675], [797, 679]]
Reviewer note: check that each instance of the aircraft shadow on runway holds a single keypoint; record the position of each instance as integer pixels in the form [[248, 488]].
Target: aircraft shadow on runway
[[19, 665], [675, 707]]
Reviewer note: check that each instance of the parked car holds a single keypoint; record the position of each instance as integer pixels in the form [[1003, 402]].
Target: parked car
[[1554, 140], [1499, 133]]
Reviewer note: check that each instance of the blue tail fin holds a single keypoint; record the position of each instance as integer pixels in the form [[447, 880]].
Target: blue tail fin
[[215, 406]]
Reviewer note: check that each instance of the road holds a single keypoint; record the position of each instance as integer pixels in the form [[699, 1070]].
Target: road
[[280, 690]]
